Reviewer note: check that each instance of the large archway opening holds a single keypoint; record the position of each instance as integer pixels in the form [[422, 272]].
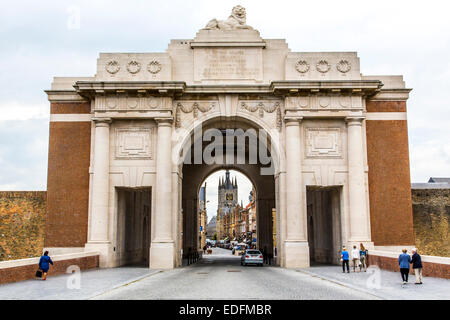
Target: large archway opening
[[233, 153]]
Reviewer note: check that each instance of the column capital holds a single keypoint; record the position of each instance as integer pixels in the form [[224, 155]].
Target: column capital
[[292, 120], [164, 122], [354, 121], [102, 122]]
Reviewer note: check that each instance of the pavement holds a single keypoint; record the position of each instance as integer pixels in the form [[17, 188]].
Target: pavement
[[220, 276], [384, 284], [92, 283]]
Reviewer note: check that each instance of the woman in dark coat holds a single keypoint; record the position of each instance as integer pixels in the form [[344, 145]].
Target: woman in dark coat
[[44, 264]]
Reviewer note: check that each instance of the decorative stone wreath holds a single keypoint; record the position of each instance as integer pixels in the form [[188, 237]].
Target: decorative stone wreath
[[343, 66], [112, 67], [302, 66], [133, 67], [323, 66], [154, 67]]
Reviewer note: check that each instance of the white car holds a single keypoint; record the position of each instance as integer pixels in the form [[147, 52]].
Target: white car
[[252, 256]]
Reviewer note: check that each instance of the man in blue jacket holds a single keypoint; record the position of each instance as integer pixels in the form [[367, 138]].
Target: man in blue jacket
[[403, 260], [44, 264], [417, 265], [345, 260]]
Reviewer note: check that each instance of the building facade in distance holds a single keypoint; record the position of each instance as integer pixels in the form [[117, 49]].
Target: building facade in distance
[[211, 229], [203, 217]]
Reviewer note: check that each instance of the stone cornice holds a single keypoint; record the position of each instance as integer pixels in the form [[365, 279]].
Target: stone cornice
[[88, 89], [227, 44], [164, 88], [392, 95], [64, 96], [229, 88], [360, 87]]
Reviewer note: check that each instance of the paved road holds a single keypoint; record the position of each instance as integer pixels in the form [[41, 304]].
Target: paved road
[[220, 276]]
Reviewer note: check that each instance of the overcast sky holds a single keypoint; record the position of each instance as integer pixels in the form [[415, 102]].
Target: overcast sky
[[42, 39]]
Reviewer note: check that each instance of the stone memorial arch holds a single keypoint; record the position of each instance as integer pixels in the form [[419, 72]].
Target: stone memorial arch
[[119, 184]]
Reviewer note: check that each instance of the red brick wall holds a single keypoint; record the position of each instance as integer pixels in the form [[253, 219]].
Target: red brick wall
[[61, 108], [389, 177], [21, 273], [386, 106], [68, 180], [430, 269]]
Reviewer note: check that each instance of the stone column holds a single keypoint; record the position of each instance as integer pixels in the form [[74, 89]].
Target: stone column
[[162, 247], [359, 224], [296, 243], [98, 228]]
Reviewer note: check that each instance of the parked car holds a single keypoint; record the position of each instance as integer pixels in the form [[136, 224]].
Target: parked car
[[252, 256], [238, 249]]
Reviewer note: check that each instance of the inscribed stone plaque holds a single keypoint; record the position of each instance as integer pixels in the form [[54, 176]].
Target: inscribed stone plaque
[[133, 143], [212, 64], [323, 142]]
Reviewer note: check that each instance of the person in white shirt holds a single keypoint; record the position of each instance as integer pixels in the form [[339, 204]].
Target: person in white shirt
[[355, 258]]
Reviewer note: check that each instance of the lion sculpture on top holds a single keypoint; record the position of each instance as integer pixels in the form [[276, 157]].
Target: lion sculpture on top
[[237, 20]]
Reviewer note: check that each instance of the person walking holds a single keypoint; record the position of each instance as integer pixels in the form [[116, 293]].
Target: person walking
[[416, 262], [264, 252], [204, 249], [362, 257], [269, 258], [345, 260], [403, 260], [44, 264], [355, 258]]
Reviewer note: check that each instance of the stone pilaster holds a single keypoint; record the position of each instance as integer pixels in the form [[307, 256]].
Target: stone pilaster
[[296, 243], [98, 236], [359, 217], [162, 247]]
